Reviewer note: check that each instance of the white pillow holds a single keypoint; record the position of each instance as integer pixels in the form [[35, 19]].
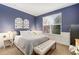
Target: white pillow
[[25, 33]]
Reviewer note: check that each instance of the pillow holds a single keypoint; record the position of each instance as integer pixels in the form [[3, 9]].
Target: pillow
[[37, 32], [31, 33], [25, 33], [34, 33]]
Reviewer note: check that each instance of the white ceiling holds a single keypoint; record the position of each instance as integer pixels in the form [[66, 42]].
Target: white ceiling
[[37, 9]]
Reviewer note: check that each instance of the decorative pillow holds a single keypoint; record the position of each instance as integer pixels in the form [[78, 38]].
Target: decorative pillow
[[37, 32], [34, 33]]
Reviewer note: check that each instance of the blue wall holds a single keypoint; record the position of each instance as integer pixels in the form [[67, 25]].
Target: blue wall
[[70, 15], [8, 15]]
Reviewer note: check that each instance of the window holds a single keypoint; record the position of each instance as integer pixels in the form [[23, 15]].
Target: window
[[52, 23]]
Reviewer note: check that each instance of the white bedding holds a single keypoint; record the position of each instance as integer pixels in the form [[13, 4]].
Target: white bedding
[[26, 42]]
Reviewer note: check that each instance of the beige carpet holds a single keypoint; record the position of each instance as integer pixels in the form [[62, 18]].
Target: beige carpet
[[12, 50], [61, 50]]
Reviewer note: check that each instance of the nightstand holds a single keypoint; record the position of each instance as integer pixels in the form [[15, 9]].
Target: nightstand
[[7, 43]]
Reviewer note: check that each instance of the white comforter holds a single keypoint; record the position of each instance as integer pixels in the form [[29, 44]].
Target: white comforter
[[26, 43]]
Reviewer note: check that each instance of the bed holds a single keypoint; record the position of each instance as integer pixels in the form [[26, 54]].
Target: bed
[[28, 39]]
